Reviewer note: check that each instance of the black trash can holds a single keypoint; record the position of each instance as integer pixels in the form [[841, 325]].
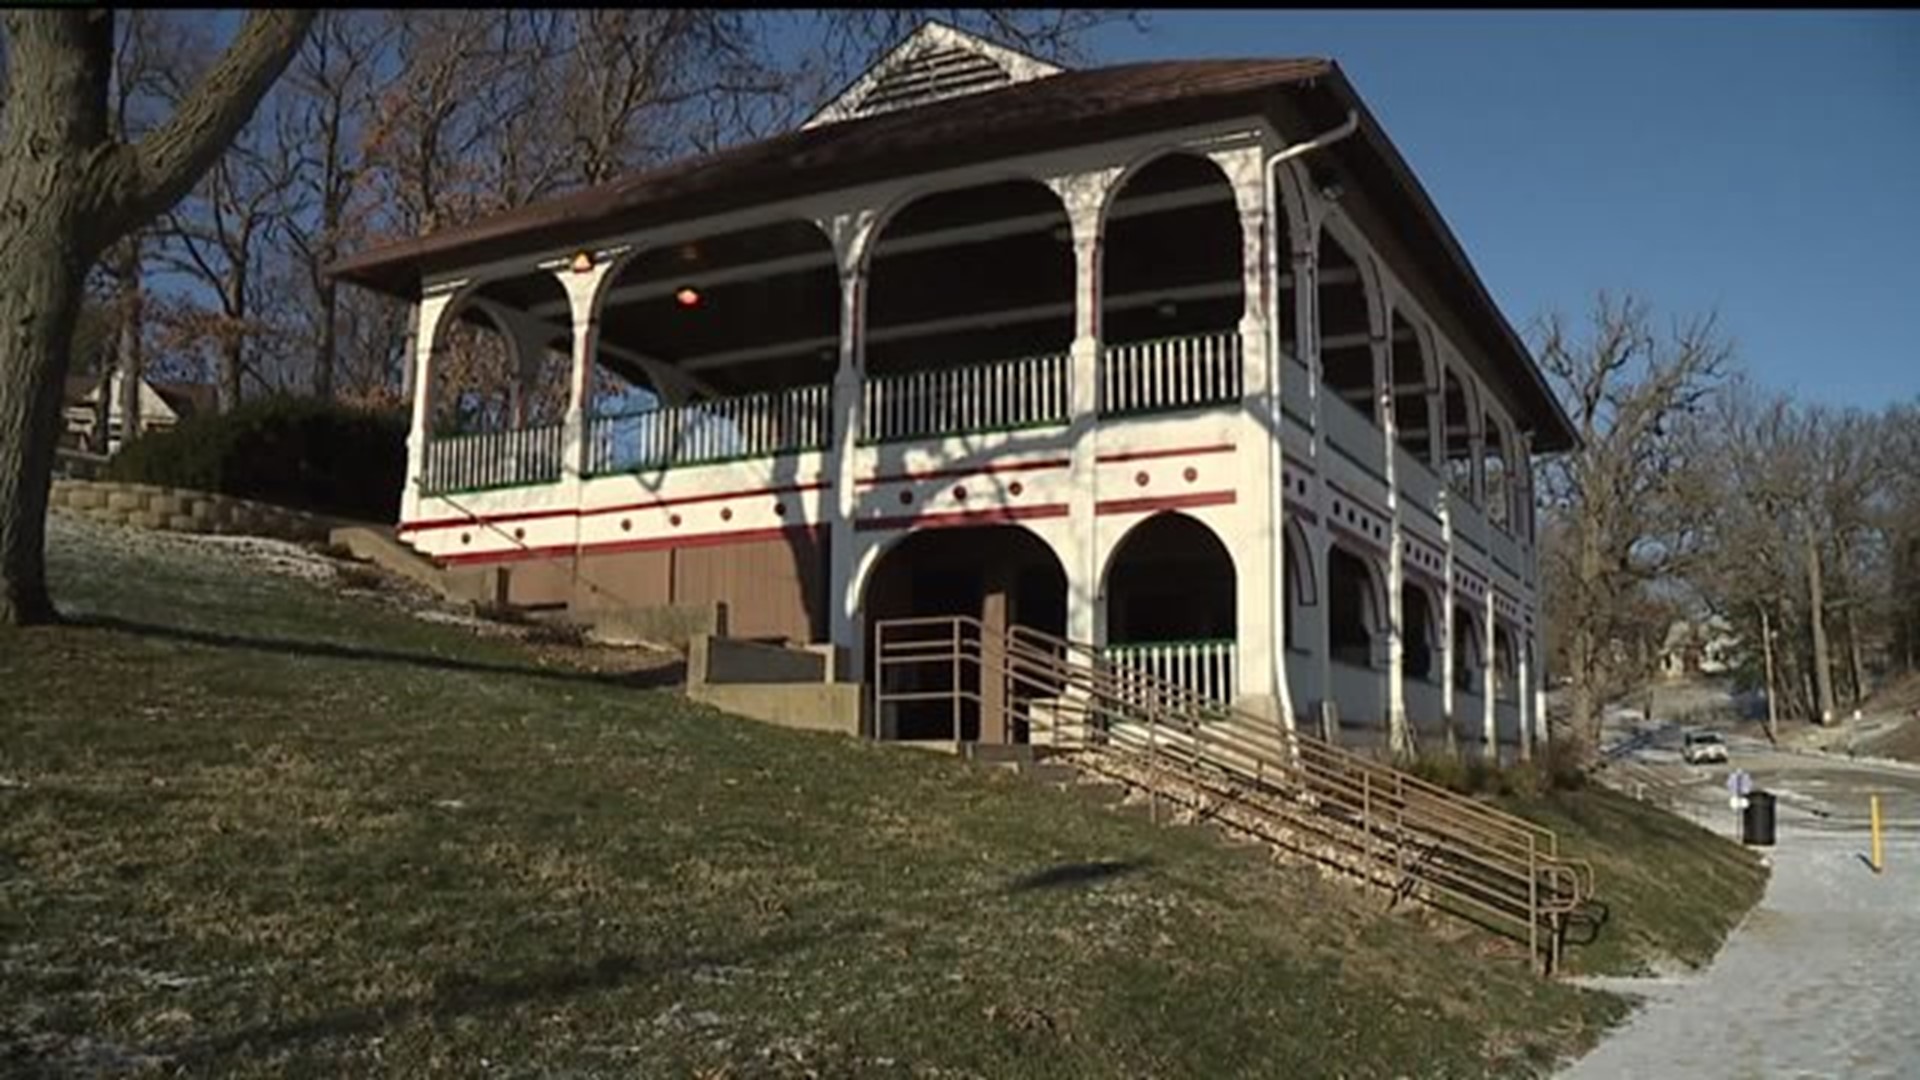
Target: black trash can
[[1756, 824]]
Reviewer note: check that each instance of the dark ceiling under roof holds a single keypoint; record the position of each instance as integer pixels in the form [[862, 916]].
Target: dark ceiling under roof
[[1071, 108]]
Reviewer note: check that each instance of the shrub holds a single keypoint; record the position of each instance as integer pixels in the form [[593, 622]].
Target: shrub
[[305, 453]]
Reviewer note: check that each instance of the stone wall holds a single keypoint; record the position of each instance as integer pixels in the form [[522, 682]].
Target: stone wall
[[147, 506]]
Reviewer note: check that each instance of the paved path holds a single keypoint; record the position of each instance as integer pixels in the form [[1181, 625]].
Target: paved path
[[1823, 979]]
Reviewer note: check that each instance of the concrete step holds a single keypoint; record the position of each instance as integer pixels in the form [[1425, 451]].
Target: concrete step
[[378, 545]]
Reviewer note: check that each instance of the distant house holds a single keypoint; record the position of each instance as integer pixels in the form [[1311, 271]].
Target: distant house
[[1698, 647], [162, 405]]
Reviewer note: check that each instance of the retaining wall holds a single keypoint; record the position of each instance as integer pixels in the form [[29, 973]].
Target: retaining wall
[[148, 506]]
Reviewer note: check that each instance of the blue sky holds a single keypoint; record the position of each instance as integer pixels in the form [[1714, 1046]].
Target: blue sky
[[1762, 164]]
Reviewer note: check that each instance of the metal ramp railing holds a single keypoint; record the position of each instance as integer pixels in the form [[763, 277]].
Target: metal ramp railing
[[1416, 839]]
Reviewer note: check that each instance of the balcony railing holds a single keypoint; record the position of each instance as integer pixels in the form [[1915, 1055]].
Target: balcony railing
[[493, 459], [1353, 434], [1204, 667], [1170, 374], [1003, 395], [766, 424], [1417, 482]]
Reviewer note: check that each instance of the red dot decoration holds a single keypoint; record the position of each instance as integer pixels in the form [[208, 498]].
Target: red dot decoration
[[519, 534], [1191, 474], [674, 521], [959, 493], [1015, 489], [466, 538], [1140, 478], [626, 524], [779, 509], [906, 497], [726, 514]]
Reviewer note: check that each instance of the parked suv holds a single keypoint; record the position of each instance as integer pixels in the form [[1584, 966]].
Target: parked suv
[[1702, 746]]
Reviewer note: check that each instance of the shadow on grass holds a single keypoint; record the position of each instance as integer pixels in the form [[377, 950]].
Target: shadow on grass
[[1083, 873], [461, 994], [656, 678]]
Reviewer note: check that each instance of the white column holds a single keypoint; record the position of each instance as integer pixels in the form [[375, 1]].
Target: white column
[[1399, 733], [1259, 601], [843, 599], [1085, 196], [1523, 696], [1487, 674], [1449, 656], [583, 286], [429, 314], [1306, 291]]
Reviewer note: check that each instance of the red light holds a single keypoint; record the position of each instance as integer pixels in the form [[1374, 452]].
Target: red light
[[687, 297]]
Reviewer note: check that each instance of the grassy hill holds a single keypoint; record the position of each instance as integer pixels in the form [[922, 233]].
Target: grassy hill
[[253, 825]]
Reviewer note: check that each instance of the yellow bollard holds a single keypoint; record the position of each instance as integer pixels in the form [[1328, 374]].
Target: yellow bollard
[[1874, 801]]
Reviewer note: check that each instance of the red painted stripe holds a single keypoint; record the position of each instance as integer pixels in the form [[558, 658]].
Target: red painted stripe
[[657, 504], [615, 547], [964, 517], [448, 523], [1167, 502], [662, 504], [982, 470], [509, 555], [1145, 455]]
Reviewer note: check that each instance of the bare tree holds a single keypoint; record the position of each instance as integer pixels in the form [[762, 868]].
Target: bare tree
[[68, 191], [1624, 504]]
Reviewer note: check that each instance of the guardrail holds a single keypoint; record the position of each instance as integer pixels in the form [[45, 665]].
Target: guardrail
[[492, 459], [1170, 374], [1418, 838], [765, 424], [1205, 667], [1002, 395]]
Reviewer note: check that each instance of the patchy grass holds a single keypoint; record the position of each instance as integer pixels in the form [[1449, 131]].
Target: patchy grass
[[250, 827], [1672, 890]]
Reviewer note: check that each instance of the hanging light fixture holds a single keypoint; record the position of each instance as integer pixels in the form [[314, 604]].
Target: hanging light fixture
[[687, 297]]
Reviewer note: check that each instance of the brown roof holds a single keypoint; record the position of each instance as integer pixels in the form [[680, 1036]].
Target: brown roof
[[1074, 107]]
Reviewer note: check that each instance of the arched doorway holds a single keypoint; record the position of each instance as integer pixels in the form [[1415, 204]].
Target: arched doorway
[[1169, 602], [1000, 575]]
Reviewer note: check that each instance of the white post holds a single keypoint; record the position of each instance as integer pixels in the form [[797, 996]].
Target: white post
[[583, 286], [1449, 656], [1260, 601], [429, 314], [1399, 733], [1523, 698], [843, 600], [1085, 196], [1488, 673]]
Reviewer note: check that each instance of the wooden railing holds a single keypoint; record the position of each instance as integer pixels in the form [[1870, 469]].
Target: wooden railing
[[1003, 395], [1170, 374], [765, 424], [1415, 838], [492, 459], [1204, 667]]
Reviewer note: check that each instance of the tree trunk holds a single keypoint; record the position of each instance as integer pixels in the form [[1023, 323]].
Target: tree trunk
[[328, 345], [39, 302], [1855, 668], [1773, 697], [127, 349], [1822, 661]]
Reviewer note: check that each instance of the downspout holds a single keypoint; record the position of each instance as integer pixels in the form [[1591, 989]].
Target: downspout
[[1275, 369]]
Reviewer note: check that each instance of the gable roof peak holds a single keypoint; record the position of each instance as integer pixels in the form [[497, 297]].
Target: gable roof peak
[[934, 63]]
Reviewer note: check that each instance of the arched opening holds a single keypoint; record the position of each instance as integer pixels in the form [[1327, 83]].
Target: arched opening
[[1172, 289], [1001, 575], [1458, 411], [1506, 681], [1346, 331], [1352, 609], [1417, 652], [1297, 587], [1466, 651], [716, 348], [1494, 474], [1169, 598], [970, 313], [1412, 390], [499, 386]]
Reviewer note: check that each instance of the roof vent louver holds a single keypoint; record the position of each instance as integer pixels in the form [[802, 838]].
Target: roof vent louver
[[936, 63]]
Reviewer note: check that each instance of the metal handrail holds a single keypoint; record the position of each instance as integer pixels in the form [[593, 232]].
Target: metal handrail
[[1497, 862]]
